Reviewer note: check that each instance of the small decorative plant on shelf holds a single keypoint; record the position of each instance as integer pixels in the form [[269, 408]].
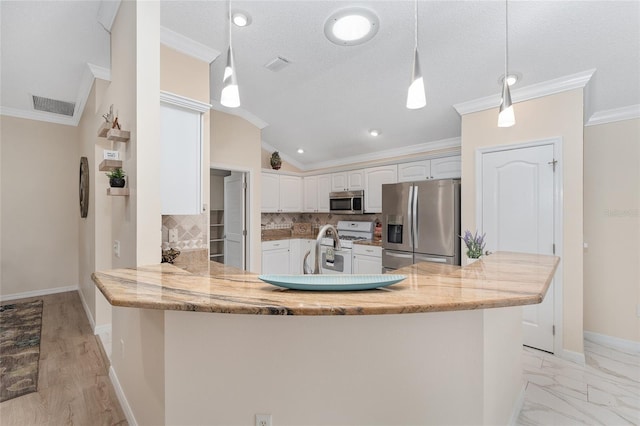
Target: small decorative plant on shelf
[[276, 161], [116, 178], [475, 244]]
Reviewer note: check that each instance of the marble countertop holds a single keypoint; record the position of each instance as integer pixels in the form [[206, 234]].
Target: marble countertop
[[499, 280]]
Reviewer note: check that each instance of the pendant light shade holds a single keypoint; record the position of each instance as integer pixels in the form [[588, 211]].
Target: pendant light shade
[[416, 97], [230, 95], [506, 116]]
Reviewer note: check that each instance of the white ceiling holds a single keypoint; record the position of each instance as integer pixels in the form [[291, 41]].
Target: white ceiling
[[329, 96]]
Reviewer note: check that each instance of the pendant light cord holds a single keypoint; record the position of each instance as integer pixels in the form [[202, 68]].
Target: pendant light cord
[[415, 23], [506, 39], [230, 22]]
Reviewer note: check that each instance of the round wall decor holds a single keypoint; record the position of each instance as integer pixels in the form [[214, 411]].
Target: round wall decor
[[84, 186]]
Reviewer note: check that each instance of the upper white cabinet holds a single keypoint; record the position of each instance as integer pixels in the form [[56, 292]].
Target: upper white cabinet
[[181, 154], [281, 193], [316, 193], [375, 177], [351, 180], [438, 168]]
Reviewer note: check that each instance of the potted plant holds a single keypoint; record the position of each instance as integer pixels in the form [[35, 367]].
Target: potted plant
[[116, 178], [276, 161], [475, 245]]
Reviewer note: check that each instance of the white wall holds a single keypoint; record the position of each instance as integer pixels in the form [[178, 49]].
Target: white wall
[[40, 206]]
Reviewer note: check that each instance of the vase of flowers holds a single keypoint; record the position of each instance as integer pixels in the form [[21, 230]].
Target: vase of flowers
[[475, 245]]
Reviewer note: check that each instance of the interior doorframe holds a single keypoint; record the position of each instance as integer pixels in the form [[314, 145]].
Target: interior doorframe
[[250, 191], [558, 231]]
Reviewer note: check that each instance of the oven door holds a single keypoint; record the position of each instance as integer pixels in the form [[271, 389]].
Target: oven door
[[334, 261]]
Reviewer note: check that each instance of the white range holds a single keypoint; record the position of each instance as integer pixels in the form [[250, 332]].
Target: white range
[[340, 261]]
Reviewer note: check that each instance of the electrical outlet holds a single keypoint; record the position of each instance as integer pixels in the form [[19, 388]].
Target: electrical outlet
[[173, 235], [122, 348], [263, 419], [116, 248]]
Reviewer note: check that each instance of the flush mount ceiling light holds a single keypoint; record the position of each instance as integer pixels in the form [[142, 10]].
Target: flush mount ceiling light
[[241, 19], [374, 132], [300, 151], [351, 26], [506, 116], [416, 97], [230, 95]]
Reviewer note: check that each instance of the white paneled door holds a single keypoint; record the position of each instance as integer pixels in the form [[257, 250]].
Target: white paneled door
[[234, 220], [518, 215]]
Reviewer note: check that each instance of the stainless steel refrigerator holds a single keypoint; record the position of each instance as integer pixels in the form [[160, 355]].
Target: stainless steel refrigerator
[[420, 222]]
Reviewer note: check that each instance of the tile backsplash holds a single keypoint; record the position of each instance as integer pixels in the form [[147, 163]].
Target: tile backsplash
[[286, 220], [192, 231]]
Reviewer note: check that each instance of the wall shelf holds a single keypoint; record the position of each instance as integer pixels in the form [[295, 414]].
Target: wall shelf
[[118, 191], [104, 129], [109, 165], [118, 135]]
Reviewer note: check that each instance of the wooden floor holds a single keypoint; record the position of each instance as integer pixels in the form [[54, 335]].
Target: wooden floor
[[73, 382]]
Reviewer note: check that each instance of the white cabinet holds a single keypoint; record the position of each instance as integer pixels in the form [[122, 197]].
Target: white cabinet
[[374, 178], [351, 180], [437, 168], [281, 193], [298, 249], [276, 257], [367, 259], [180, 160], [316, 193]]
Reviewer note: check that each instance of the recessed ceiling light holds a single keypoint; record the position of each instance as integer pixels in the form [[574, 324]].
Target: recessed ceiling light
[[300, 151], [351, 26], [374, 132], [512, 79], [241, 19]]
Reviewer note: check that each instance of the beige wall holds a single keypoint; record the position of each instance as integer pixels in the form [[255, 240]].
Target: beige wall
[[40, 208], [235, 145], [265, 162], [612, 229], [558, 115]]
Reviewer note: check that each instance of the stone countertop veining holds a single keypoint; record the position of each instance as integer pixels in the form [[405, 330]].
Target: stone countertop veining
[[499, 280], [374, 242]]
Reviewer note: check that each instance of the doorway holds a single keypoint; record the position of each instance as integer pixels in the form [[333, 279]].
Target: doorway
[[519, 210], [228, 218]]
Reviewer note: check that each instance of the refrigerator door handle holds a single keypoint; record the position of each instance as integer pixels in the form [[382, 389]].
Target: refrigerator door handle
[[414, 225], [432, 259], [409, 213], [399, 255]]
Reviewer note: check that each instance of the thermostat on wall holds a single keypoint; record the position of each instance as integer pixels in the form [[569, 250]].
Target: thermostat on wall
[[111, 155]]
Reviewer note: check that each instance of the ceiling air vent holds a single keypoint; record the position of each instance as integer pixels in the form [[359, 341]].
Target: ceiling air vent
[[277, 64], [53, 105]]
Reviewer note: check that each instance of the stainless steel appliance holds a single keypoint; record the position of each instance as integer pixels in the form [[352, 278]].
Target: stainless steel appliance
[[346, 202], [420, 222], [339, 261]]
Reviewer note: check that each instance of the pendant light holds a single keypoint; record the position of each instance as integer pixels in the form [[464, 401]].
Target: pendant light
[[506, 116], [230, 95], [416, 97]]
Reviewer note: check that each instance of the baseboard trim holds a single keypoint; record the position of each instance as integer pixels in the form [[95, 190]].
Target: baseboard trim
[[126, 408], [614, 342], [572, 356], [87, 311], [36, 293], [517, 406]]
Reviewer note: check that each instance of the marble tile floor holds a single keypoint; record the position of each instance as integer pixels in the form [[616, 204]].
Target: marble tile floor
[[605, 391]]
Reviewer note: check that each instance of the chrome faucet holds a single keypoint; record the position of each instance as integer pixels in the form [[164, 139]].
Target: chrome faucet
[[323, 231]]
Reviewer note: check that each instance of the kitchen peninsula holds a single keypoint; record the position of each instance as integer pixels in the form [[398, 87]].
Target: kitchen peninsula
[[441, 347]]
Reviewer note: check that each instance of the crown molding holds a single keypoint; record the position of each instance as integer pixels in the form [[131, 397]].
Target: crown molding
[[38, 116], [181, 101], [107, 13], [187, 46], [284, 156], [612, 115], [386, 154], [240, 112], [538, 90], [100, 72]]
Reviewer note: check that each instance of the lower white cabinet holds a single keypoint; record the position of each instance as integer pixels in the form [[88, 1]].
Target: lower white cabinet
[[276, 257], [367, 259]]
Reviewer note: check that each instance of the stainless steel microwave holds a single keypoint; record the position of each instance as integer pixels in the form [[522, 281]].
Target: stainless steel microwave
[[346, 202]]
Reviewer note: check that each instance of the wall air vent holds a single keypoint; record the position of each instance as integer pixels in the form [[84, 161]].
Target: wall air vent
[[53, 105], [277, 64]]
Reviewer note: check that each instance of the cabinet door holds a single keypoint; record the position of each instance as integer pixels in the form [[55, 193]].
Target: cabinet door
[[374, 178], [447, 167], [366, 264], [275, 261], [414, 171], [270, 193], [310, 190], [180, 160], [339, 182], [324, 188], [290, 194], [295, 256], [307, 245], [355, 179]]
